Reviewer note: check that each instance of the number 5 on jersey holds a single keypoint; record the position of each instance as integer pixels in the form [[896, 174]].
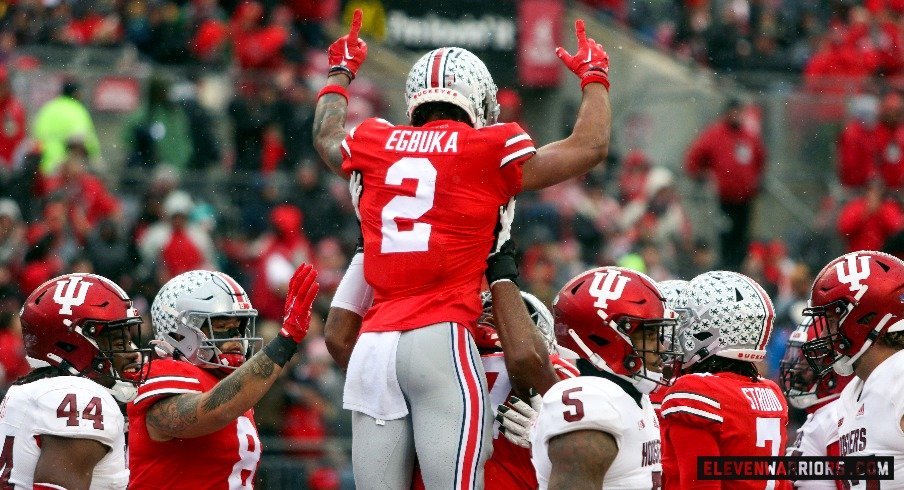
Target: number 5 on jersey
[[416, 239]]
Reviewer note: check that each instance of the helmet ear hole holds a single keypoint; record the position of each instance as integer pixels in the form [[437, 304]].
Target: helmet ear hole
[[598, 340], [867, 318], [702, 335], [66, 346]]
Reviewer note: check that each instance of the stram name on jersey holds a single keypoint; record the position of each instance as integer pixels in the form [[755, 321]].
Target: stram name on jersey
[[64, 406]]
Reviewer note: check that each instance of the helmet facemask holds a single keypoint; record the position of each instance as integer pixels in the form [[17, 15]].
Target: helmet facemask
[[651, 345], [823, 352], [120, 364], [204, 341]]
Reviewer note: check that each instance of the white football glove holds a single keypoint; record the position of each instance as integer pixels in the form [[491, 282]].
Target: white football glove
[[506, 217], [517, 419], [354, 188]]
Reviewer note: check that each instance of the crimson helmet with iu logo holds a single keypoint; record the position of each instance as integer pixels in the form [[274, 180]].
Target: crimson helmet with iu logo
[[861, 297], [596, 313], [80, 323]]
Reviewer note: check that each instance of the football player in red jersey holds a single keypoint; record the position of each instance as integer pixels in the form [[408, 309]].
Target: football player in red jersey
[[60, 425], [200, 400], [860, 297], [720, 406], [818, 395], [428, 213]]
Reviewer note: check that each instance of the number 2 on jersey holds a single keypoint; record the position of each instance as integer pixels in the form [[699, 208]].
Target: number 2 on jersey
[[417, 238]]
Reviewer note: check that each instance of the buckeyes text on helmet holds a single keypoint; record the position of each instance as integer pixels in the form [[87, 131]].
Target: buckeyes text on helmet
[[455, 76]]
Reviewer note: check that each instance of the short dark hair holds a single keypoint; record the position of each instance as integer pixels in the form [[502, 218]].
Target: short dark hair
[[438, 111], [716, 364], [895, 340]]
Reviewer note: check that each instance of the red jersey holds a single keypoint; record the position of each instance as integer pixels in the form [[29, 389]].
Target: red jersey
[[428, 212], [721, 414], [510, 465], [230, 455], [656, 397]]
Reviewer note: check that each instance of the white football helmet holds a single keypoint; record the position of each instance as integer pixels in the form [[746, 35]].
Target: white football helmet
[[671, 290], [182, 312], [723, 314], [539, 313], [455, 76]]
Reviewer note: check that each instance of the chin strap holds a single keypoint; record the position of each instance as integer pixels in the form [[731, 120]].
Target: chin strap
[[123, 391]]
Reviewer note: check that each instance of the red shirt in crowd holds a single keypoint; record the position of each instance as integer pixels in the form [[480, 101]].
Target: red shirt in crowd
[[889, 141], [866, 229], [856, 154], [12, 129], [735, 157]]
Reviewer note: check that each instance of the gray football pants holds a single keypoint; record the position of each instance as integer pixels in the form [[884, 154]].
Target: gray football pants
[[449, 427]]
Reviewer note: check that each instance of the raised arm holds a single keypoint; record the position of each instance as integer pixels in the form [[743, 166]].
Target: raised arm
[[191, 415], [352, 300], [345, 57], [588, 143]]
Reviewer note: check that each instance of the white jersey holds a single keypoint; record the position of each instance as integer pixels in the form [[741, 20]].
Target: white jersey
[[870, 417], [63, 406], [592, 403], [813, 439]]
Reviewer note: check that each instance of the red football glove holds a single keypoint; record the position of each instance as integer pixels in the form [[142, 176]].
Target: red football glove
[[485, 337], [302, 290], [590, 63], [348, 52]]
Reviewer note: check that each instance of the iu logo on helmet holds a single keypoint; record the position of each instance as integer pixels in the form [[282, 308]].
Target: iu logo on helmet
[[850, 274], [607, 286], [71, 293]]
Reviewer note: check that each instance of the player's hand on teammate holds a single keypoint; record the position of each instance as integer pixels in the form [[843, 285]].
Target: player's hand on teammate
[[501, 262], [517, 418], [348, 52], [300, 299], [591, 62]]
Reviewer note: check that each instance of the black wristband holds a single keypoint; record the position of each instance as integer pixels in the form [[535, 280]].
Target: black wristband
[[281, 349], [341, 69], [502, 265]]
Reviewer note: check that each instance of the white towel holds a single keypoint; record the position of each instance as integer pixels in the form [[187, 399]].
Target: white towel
[[371, 384]]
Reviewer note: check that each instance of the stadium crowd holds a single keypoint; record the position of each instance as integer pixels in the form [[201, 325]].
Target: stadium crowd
[[61, 212]]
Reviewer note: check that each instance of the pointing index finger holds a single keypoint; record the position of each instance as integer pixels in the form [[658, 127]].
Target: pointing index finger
[[580, 32], [356, 26]]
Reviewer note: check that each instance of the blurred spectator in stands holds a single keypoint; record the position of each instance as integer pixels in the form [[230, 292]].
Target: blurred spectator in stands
[[85, 195], [596, 223], [12, 233], [257, 46], [12, 350], [311, 15], [40, 263], [11, 296], [633, 176], [92, 22], [251, 111], [205, 149], [60, 120], [838, 67], [281, 251], [865, 223], [137, 25], [108, 250], [734, 156], [294, 112], [659, 218], [169, 34], [158, 132], [728, 41], [57, 227], [12, 122], [309, 193], [176, 245], [889, 141], [768, 264], [209, 23], [856, 144], [510, 108]]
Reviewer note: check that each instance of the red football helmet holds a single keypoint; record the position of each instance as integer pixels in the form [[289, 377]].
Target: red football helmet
[[860, 297], [64, 319], [597, 311], [802, 386]]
